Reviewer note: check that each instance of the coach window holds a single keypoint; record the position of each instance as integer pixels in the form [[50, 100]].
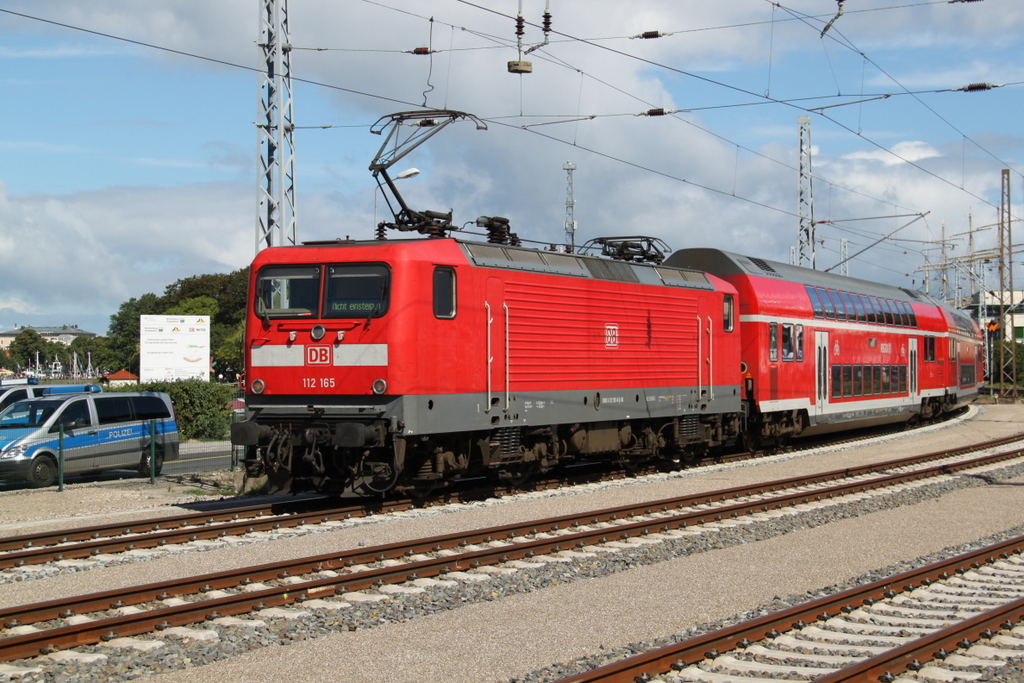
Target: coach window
[[773, 342], [929, 349], [830, 310], [356, 290], [859, 306], [878, 379], [812, 294], [444, 293], [837, 381], [868, 387], [913, 316], [851, 312], [886, 312], [728, 314], [885, 379], [858, 379], [799, 343], [903, 379], [838, 303], [901, 306], [788, 341], [847, 381], [877, 308]]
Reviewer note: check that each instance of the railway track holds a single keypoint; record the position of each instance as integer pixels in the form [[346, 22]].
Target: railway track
[[54, 626], [90, 542], [951, 619]]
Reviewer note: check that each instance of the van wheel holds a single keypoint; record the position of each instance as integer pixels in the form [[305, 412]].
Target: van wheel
[[144, 463], [43, 472]]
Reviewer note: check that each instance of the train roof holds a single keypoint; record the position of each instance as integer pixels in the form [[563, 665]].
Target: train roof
[[725, 263], [493, 255]]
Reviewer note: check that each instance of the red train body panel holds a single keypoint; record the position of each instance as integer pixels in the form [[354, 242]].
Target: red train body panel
[[398, 364]]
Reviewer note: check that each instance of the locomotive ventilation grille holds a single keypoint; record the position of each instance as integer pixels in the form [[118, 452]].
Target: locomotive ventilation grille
[[507, 439]]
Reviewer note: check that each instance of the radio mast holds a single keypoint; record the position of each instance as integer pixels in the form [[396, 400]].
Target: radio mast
[[275, 215]]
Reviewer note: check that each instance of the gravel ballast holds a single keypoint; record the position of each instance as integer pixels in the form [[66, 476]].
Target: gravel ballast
[[586, 609]]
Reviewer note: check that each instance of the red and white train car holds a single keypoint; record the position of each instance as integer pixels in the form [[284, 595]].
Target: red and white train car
[[822, 352], [383, 364]]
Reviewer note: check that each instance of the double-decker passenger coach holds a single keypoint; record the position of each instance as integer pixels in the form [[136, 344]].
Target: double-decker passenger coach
[[823, 352]]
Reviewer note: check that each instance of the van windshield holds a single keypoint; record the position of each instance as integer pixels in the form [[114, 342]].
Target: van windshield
[[27, 414]]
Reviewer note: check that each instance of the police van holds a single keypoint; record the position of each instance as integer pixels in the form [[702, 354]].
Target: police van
[[102, 431]]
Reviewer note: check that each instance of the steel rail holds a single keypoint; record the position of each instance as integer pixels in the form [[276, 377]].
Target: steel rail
[[112, 538], [16, 647], [693, 650]]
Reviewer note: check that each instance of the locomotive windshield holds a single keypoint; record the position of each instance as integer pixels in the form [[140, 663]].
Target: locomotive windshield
[[351, 290], [358, 290], [288, 292]]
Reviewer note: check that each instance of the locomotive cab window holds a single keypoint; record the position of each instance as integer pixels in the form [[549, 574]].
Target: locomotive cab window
[[444, 293], [287, 291], [357, 290]]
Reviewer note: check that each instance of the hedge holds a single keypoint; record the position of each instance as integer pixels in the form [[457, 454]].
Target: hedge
[[201, 407]]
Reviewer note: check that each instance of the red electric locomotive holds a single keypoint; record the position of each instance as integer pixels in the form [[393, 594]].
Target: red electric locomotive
[[385, 365], [822, 352]]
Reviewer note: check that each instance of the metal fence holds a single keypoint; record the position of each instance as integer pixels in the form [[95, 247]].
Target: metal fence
[[195, 457]]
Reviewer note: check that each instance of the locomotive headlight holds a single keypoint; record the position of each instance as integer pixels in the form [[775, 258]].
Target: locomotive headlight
[[257, 386], [379, 386], [317, 333]]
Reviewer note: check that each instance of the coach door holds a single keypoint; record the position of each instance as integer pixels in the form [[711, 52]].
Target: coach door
[[821, 371], [912, 369], [496, 318]]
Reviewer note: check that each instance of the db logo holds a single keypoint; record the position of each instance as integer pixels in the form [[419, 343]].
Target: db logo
[[611, 336], [318, 355]]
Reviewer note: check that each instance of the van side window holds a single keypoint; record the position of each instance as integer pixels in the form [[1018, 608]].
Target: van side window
[[111, 409], [12, 396], [150, 408], [75, 414]]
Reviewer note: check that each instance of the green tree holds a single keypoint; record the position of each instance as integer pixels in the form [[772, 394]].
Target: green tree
[[27, 347], [230, 290]]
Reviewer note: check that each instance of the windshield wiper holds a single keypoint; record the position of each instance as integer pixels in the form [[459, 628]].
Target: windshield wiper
[[378, 307]]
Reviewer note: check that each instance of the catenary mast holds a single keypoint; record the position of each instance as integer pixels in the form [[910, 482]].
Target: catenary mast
[[275, 219]]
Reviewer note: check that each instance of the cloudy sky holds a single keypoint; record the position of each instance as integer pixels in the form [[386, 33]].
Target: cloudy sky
[[124, 166]]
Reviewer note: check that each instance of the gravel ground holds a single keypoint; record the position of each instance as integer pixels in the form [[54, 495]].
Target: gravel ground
[[581, 610]]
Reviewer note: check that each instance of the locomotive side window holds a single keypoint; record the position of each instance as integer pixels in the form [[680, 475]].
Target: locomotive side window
[[812, 294], [287, 292], [444, 293], [357, 290], [773, 342], [830, 310], [728, 308]]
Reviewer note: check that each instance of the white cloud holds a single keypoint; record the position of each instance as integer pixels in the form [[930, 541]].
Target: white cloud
[[900, 153]]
